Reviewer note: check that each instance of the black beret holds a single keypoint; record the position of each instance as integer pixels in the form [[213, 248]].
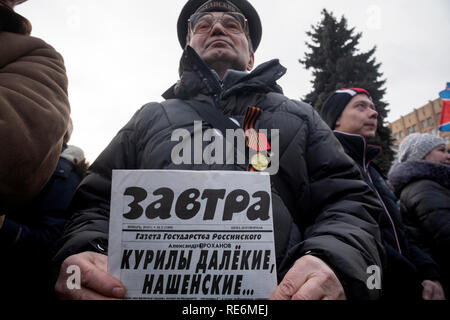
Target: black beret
[[336, 103], [243, 6]]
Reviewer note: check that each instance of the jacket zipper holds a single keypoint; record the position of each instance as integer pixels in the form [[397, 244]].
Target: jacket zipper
[[379, 197], [365, 166]]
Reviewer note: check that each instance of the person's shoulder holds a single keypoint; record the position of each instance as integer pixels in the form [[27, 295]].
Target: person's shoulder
[[424, 185], [151, 106], [419, 190], [19, 46], [23, 41], [147, 112], [278, 102], [150, 115], [156, 109]]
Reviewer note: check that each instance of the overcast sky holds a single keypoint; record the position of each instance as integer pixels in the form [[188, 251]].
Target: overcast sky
[[121, 55]]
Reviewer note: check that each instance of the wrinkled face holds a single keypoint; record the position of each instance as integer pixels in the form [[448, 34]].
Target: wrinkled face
[[439, 155], [359, 117], [216, 41]]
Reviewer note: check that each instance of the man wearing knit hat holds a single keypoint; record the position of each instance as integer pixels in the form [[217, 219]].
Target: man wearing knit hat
[[325, 236], [356, 109], [353, 117]]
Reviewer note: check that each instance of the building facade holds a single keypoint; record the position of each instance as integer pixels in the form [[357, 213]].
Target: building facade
[[422, 120]]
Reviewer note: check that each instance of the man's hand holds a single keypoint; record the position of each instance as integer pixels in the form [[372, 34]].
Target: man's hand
[[96, 283], [309, 279], [432, 290]]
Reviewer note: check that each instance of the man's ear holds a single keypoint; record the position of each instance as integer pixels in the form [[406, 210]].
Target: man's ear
[[338, 123], [188, 39], [251, 62]]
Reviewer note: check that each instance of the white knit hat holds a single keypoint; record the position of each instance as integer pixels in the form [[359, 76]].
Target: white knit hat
[[73, 154], [417, 146]]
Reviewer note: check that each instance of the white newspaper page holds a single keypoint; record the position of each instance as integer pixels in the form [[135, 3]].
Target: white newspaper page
[[192, 234]]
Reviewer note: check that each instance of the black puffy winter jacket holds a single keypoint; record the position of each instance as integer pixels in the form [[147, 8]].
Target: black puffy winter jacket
[[331, 208], [424, 191], [406, 264]]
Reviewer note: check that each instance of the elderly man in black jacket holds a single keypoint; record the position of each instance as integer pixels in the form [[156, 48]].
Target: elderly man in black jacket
[[325, 235], [409, 273]]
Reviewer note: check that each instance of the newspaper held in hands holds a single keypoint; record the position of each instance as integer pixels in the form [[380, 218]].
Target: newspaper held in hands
[[192, 234]]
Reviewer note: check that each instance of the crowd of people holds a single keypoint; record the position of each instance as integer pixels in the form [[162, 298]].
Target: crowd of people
[[335, 213]]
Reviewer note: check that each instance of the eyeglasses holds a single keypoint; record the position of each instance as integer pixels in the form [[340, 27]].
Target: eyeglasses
[[233, 22]]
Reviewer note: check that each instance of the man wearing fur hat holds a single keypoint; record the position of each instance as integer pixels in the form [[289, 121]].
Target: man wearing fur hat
[[325, 236], [409, 273], [421, 179]]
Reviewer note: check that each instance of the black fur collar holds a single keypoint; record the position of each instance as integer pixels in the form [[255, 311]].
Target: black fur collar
[[404, 173]]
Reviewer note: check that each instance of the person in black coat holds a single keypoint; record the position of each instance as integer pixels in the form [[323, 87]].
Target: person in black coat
[[325, 235], [29, 231], [409, 272], [422, 182]]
